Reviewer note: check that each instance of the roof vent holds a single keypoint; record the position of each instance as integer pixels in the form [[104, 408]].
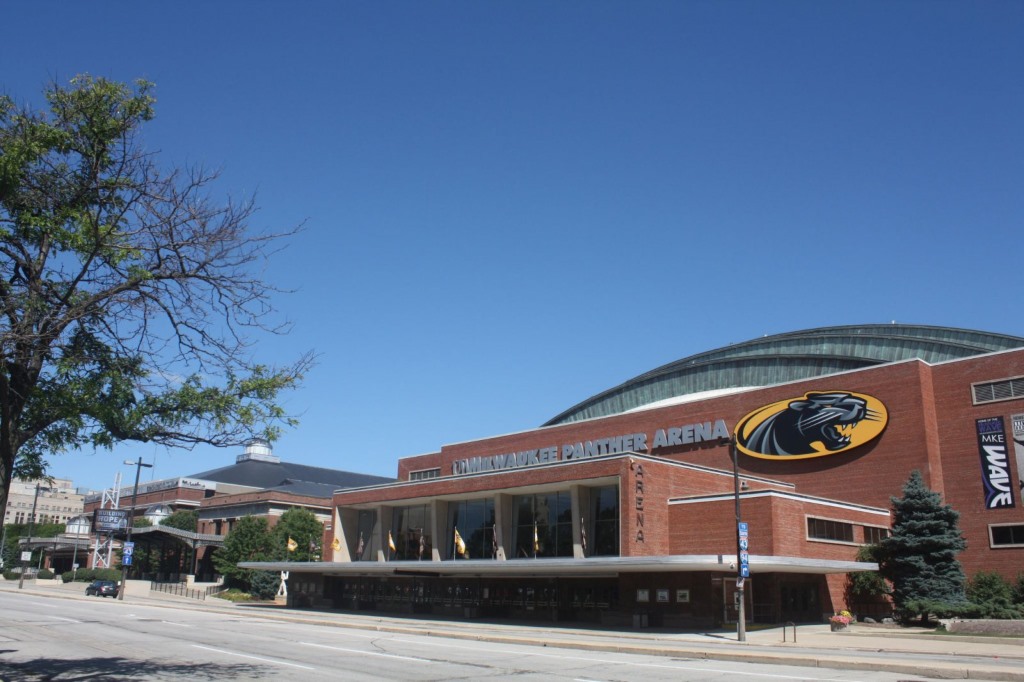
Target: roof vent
[[258, 450]]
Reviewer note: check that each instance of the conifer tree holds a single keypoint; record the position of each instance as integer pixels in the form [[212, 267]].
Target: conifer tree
[[919, 558]]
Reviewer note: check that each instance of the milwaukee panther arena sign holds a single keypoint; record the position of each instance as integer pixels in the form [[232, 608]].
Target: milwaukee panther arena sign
[[688, 434]]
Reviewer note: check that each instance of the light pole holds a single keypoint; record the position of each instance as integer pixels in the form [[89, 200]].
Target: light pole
[[741, 616], [131, 519], [31, 522]]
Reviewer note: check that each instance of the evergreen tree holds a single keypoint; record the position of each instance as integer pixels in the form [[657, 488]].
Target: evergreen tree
[[919, 558]]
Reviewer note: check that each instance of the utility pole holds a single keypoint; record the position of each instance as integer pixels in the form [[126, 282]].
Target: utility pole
[[131, 522]]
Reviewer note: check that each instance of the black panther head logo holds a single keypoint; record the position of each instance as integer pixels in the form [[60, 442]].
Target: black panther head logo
[[826, 418]]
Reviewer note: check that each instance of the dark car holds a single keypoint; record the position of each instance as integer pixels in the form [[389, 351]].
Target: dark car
[[102, 588]]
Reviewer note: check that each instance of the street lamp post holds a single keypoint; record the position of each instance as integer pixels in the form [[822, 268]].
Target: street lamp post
[[741, 616], [131, 518], [31, 522]]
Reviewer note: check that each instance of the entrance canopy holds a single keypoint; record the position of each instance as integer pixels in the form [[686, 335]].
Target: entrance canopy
[[539, 568]]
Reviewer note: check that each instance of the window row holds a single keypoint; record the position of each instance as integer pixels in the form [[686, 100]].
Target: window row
[[842, 531], [541, 526]]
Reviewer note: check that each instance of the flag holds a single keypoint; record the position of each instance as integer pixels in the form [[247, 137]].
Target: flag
[[292, 545], [336, 544], [359, 548], [460, 546], [391, 543], [536, 541], [583, 537]]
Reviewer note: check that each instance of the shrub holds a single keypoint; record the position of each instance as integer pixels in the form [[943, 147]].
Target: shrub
[[264, 584], [87, 575], [992, 594], [45, 574]]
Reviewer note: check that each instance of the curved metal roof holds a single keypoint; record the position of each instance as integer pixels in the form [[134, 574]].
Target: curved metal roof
[[789, 357]]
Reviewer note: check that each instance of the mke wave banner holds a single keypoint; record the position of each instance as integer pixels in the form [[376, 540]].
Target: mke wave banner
[[995, 466]]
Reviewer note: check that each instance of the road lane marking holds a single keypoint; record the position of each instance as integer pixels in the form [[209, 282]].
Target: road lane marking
[[255, 658], [368, 653], [180, 625], [70, 620]]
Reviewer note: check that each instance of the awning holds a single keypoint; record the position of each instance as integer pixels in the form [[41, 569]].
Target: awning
[[564, 567]]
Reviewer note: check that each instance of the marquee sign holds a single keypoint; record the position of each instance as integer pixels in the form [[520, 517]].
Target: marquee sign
[[687, 434], [814, 425]]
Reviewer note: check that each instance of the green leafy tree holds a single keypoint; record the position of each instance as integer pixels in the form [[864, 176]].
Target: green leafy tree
[[127, 295], [919, 558], [249, 540], [993, 595], [866, 589], [301, 526], [183, 519]]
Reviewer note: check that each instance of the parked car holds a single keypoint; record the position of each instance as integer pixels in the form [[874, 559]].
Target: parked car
[[102, 588]]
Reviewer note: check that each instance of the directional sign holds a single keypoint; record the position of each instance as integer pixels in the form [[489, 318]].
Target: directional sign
[[129, 548], [126, 560], [744, 571]]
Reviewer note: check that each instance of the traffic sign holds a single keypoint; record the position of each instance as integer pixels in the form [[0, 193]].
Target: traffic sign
[[129, 548], [126, 560]]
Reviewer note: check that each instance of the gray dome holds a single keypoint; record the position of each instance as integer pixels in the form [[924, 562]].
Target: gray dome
[[789, 357]]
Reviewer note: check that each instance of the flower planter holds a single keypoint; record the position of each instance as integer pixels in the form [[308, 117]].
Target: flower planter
[[840, 627]]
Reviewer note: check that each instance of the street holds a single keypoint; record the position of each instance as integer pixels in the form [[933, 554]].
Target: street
[[54, 638]]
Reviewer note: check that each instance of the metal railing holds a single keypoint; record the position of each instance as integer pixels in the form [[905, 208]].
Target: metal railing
[[182, 590]]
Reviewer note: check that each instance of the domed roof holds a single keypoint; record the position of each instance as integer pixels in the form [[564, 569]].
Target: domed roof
[[789, 357]]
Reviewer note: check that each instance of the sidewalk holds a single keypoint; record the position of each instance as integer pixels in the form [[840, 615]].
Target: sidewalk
[[862, 647]]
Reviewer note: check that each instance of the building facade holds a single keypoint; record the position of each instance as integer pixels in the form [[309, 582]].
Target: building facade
[[652, 512]]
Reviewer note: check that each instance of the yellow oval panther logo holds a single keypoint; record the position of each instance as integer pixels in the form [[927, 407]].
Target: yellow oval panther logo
[[816, 425]]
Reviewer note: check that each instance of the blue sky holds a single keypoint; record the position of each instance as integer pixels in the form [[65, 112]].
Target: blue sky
[[511, 206]]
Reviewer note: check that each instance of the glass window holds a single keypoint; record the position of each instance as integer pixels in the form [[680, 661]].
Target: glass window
[[474, 520], [1007, 535], [365, 544], [823, 529], [410, 531], [873, 534], [543, 525], [605, 507]]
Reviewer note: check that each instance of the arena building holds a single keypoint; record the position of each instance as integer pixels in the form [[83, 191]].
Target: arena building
[[771, 462]]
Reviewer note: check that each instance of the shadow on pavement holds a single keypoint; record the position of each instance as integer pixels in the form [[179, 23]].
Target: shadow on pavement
[[101, 669]]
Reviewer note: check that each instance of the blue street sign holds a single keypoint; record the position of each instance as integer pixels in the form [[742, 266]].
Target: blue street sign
[[744, 571], [126, 560], [129, 549], [743, 527]]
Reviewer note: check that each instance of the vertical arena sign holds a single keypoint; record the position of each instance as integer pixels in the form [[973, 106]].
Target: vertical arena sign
[[995, 467]]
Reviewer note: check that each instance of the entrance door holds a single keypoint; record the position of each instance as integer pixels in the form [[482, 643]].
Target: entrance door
[[799, 601]]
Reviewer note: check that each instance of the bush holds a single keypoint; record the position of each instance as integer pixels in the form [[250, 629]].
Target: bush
[[264, 584], [87, 575], [45, 574], [992, 594]]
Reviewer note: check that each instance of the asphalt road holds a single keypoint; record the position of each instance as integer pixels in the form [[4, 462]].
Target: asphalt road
[[53, 638]]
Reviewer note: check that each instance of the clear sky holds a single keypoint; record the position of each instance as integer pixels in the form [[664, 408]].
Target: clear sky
[[511, 206]]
